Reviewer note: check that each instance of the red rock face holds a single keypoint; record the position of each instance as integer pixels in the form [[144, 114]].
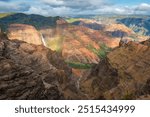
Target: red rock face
[[73, 43], [24, 33], [76, 46], [77, 42], [127, 75]]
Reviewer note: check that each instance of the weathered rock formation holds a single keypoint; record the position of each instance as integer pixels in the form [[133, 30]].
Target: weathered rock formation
[[33, 72], [25, 33], [124, 74]]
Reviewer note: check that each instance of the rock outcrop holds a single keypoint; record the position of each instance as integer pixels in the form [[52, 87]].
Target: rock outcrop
[[124, 74], [61, 22], [25, 33], [33, 72]]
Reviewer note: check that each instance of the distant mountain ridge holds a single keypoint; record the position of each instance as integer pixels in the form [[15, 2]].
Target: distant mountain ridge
[[138, 25], [37, 21]]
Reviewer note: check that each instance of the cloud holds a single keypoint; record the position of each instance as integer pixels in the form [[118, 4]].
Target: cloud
[[76, 4], [53, 2], [75, 7], [67, 7], [5, 0], [71, 7], [48, 10], [37, 10], [143, 7], [13, 6]]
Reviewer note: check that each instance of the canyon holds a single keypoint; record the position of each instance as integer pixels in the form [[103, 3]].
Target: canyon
[[83, 59]]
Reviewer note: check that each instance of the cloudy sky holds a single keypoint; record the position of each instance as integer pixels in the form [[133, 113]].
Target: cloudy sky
[[76, 7]]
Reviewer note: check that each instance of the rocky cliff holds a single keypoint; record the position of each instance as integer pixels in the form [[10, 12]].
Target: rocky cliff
[[124, 74], [33, 72], [25, 33]]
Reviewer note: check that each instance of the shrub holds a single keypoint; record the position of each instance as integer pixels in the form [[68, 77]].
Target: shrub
[[78, 65], [102, 52]]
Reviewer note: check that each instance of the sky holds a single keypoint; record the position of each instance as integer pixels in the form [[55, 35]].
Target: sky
[[76, 7]]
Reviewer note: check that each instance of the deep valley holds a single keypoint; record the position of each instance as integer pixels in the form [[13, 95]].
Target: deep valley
[[95, 57]]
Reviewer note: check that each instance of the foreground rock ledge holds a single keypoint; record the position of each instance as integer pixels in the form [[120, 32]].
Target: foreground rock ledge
[[33, 72]]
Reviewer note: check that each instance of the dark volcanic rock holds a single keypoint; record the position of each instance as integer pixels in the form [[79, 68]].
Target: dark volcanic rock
[[19, 82]]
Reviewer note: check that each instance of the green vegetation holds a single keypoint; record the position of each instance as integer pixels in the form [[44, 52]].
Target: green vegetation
[[78, 65], [71, 20], [5, 14], [102, 52]]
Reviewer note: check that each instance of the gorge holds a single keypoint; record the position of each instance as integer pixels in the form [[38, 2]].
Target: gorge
[[72, 60]]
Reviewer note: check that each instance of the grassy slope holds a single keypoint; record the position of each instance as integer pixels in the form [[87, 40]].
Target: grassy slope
[[102, 52], [78, 65], [2, 15], [71, 20]]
